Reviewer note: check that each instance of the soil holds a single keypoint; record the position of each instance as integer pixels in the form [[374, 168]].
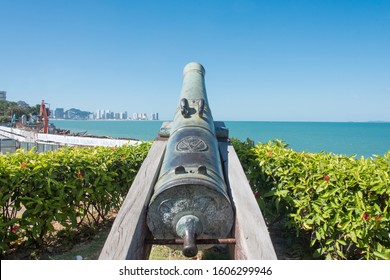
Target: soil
[[88, 241]]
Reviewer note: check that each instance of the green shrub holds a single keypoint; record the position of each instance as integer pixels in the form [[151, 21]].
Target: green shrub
[[341, 203], [69, 186]]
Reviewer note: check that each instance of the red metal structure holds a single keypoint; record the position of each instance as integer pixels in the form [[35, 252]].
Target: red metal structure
[[43, 113]]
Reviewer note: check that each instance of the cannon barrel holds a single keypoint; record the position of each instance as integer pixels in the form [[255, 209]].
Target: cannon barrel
[[190, 199]]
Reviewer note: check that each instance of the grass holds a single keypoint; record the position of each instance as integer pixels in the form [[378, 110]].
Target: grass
[[88, 250], [88, 243], [160, 252]]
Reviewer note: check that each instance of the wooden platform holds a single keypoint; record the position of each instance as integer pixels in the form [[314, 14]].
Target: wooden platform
[[129, 231]]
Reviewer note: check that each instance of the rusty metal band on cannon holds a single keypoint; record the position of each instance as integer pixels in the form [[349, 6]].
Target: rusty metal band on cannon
[[190, 199]]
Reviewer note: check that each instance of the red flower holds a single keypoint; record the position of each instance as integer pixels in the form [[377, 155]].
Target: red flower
[[366, 217], [14, 228], [80, 174], [23, 164], [326, 178], [257, 194]]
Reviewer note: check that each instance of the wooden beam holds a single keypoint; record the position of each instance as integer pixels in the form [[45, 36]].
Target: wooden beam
[[253, 241], [126, 240]]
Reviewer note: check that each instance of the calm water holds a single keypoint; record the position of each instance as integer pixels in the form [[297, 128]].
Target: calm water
[[341, 138]]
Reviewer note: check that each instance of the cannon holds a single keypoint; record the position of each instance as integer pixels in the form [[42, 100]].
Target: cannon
[[190, 199]]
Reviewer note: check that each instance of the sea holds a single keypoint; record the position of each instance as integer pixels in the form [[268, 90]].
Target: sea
[[345, 138]]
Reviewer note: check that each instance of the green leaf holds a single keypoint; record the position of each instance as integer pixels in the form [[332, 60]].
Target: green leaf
[[342, 242], [352, 234], [340, 253], [377, 208], [381, 256]]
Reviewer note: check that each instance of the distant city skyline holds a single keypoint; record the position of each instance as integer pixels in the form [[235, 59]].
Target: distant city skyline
[[74, 113], [100, 114]]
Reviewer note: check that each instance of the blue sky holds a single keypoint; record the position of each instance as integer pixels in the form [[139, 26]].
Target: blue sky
[[264, 60]]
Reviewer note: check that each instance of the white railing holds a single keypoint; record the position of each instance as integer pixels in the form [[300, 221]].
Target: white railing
[[65, 140]]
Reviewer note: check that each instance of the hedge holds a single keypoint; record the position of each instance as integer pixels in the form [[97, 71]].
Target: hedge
[[341, 203], [68, 187]]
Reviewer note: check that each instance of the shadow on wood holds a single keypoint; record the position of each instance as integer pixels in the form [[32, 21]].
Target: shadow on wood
[[253, 241]]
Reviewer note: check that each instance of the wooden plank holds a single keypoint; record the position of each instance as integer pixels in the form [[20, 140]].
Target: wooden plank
[[128, 233], [253, 241]]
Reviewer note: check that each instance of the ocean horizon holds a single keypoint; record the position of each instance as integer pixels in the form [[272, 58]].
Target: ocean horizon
[[346, 138]]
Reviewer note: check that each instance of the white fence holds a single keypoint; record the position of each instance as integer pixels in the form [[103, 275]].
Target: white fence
[[45, 142]]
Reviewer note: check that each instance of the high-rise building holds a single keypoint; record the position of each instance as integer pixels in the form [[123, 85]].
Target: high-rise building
[[154, 116], [59, 113], [110, 115], [98, 114], [123, 115], [3, 95]]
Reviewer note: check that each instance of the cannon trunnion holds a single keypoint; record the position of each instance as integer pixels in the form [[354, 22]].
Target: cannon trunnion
[[190, 199]]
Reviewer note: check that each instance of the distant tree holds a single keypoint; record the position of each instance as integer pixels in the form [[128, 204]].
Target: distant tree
[[23, 105], [14, 108], [3, 107], [20, 108], [34, 110]]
